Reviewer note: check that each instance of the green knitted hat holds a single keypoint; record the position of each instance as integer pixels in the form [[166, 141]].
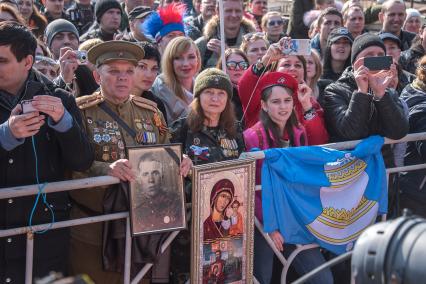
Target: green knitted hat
[[212, 78]]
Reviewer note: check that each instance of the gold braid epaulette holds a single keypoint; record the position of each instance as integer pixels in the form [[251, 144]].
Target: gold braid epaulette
[[90, 100], [144, 103], [152, 106]]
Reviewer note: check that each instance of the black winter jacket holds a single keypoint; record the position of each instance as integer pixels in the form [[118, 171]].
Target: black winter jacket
[[57, 153], [412, 184], [351, 115], [409, 58]]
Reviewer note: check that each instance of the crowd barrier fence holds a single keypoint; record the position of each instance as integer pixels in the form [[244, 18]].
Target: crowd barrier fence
[[87, 183]]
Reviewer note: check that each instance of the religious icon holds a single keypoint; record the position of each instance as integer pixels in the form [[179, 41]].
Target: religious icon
[[223, 208]]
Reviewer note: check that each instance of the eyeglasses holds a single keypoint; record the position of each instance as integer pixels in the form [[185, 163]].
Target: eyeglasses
[[249, 36], [232, 65], [275, 23]]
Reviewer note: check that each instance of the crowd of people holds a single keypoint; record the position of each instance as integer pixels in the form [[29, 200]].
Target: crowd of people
[[105, 75]]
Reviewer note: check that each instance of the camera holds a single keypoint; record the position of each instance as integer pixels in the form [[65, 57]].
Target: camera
[[81, 56], [27, 106]]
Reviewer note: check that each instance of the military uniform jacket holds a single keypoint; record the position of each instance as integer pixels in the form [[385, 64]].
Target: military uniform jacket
[[109, 140], [209, 145]]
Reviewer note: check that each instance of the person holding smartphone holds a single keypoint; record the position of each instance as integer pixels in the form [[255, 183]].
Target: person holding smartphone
[[361, 103]]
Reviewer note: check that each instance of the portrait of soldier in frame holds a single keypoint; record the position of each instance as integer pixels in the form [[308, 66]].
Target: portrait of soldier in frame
[[157, 201]]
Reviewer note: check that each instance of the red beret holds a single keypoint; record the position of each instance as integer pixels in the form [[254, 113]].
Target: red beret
[[271, 79]]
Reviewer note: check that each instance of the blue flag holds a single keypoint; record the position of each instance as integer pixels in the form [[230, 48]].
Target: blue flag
[[324, 196]]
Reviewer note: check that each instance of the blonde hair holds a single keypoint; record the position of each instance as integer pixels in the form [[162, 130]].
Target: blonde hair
[[421, 69], [175, 48], [88, 44], [318, 67], [266, 17], [252, 37]]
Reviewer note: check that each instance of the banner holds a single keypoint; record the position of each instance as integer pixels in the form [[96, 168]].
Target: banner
[[324, 196]]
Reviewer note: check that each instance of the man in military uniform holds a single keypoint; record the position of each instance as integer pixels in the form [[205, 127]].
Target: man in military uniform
[[113, 120], [156, 206]]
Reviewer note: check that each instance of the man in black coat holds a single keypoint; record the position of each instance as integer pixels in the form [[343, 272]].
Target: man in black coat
[[52, 126], [360, 103]]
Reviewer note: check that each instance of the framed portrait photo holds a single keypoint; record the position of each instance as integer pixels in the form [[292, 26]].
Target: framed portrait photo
[[157, 200], [222, 223]]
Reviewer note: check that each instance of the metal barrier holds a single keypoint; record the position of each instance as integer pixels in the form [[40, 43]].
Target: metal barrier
[[87, 183]]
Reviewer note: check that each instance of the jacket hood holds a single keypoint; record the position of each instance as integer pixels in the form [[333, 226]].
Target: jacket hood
[[212, 27], [413, 96]]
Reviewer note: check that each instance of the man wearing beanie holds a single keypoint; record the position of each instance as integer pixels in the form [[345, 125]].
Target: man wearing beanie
[[361, 103], [58, 34], [392, 17], [108, 15]]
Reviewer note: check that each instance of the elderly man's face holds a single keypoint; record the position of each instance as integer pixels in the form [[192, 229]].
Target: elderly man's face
[[150, 177], [63, 39], [116, 79], [393, 18]]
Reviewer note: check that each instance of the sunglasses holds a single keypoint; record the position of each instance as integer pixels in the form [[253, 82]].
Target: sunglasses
[[275, 23], [232, 65]]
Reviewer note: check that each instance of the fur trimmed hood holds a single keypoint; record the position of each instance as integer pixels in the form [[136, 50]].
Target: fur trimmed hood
[[211, 29]]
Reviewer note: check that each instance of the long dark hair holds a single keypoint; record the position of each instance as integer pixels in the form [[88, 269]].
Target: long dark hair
[[196, 118], [272, 128], [327, 68]]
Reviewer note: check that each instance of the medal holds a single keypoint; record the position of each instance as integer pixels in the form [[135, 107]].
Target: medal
[[114, 155], [138, 124], [97, 138], [106, 137], [120, 144], [166, 219], [105, 157], [115, 124], [89, 120], [139, 138], [196, 141], [108, 124]]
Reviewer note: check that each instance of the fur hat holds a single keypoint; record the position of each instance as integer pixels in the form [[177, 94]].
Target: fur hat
[[212, 78]]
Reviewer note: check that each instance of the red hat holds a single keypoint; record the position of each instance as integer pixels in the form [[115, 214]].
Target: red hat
[[271, 79], [220, 186]]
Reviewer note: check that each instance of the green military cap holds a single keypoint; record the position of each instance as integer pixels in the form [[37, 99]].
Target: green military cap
[[115, 50]]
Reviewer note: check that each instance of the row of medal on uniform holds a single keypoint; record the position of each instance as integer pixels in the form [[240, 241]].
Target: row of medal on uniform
[[229, 147], [146, 134]]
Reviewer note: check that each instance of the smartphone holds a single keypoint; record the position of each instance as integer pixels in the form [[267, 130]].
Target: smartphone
[[27, 106], [378, 62], [297, 47]]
